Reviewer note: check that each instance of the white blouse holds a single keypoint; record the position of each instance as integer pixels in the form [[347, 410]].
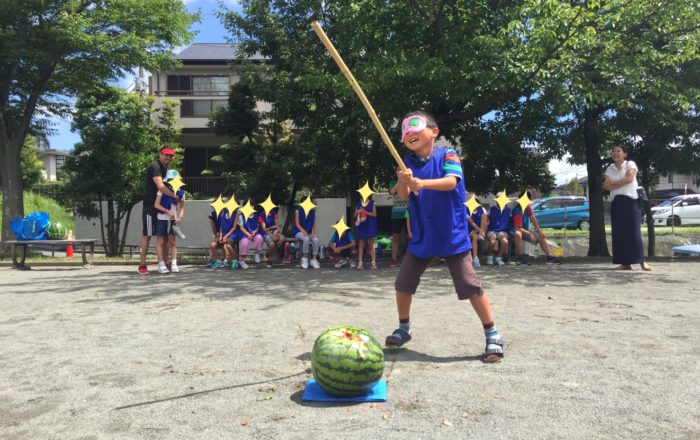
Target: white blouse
[[614, 174]]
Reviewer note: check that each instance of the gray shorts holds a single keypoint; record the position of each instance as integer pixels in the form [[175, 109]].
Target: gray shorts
[[498, 234], [461, 270], [268, 238], [533, 237]]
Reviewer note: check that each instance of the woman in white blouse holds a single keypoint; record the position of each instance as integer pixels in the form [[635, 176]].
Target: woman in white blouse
[[621, 180]]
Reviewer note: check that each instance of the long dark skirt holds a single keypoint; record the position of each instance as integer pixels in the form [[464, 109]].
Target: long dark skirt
[[625, 216]]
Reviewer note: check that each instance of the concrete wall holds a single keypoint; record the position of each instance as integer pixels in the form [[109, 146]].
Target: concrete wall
[[196, 226]]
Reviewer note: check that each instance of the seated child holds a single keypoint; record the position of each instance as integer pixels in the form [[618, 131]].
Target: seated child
[[478, 223], [342, 246], [499, 222]]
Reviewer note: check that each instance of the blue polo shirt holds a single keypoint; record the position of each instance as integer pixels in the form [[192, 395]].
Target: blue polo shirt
[[216, 220], [499, 221], [251, 223], [346, 239], [306, 222], [227, 223], [477, 214], [438, 218]]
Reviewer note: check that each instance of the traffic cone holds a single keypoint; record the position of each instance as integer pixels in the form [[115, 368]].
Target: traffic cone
[[69, 250]]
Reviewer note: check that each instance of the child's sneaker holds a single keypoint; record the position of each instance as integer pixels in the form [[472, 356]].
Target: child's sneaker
[[552, 260], [163, 269], [353, 264], [242, 264], [210, 263], [143, 269], [256, 257], [523, 260], [393, 263], [476, 263], [360, 266], [315, 264], [373, 266], [216, 265], [234, 265], [489, 260], [304, 263], [500, 261], [342, 262], [174, 268]]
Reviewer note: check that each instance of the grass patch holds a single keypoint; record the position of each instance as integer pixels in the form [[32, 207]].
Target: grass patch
[[37, 202]]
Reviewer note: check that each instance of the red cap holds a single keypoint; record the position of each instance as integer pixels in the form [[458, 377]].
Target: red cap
[[167, 150]]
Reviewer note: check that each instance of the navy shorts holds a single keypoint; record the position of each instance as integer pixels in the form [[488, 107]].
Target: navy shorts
[[164, 228]]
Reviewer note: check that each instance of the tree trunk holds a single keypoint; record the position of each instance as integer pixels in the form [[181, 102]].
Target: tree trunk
[[111, 224], [597, 242], [12, 188], [126, 228], [651, 232]]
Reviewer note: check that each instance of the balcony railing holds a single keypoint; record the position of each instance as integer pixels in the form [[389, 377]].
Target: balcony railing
[[207, 186]]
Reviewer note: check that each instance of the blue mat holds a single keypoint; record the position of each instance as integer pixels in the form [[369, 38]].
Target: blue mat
[[314, 393]]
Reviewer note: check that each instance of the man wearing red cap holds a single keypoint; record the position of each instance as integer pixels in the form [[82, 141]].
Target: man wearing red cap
[[154, 183]]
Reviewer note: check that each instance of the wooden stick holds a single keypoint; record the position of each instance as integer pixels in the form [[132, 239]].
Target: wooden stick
[[356, 87]]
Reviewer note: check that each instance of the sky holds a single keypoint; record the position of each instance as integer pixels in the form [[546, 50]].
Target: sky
[[210, 30]]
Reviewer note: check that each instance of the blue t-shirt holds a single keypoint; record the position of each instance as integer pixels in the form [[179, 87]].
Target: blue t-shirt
[[269, 220], [477, 214], [167, 201], [438, 218], [216, 219], [228, 222], [346, 239], [499, 221], [368, 228], [305, 222], [251, 224]]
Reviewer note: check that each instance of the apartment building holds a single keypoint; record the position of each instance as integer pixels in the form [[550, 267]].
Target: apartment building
[[200, 85]]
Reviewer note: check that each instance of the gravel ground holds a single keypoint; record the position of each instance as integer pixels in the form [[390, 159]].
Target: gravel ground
[[102, 353]]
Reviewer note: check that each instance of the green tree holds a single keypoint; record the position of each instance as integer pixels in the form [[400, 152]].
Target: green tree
[[627, 48], [460, 60], [120, 132], [574, 187], [52, 49], [662, 136]]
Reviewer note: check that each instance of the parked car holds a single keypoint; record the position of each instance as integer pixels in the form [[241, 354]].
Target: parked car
[[680, 210], [563, 212]]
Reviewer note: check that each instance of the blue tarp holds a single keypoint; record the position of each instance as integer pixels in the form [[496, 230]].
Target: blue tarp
[[34, 226]]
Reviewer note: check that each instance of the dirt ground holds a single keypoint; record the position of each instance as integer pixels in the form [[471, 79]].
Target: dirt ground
[[102, 353]]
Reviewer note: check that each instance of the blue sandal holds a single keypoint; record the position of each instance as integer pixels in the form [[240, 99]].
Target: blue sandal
[[398, 338], [494, 350]]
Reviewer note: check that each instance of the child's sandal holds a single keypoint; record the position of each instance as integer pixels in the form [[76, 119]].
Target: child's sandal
[[397, 338], [494, 350]]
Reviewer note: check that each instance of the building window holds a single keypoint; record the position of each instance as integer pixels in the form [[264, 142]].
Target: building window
[[179, 85], [200, 108], [198, 159], [210, 85], [670, 178], [60, 161]]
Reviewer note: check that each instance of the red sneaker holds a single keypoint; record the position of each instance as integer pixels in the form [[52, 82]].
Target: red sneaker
[[143, 269], [393, 263]]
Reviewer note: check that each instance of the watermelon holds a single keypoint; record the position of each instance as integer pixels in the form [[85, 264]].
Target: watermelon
[[347, 361], [56, 231]]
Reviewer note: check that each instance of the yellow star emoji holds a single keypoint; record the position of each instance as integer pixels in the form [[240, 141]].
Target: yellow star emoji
[[307, 205], [472, 204], [232, 205], [218, 205], [268, 205], [502, 200], [247, 210], [176, 184], [365, 192], [524, 201], [341, 227]]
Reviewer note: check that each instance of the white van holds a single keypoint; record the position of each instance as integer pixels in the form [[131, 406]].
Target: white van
[[680, 210]]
